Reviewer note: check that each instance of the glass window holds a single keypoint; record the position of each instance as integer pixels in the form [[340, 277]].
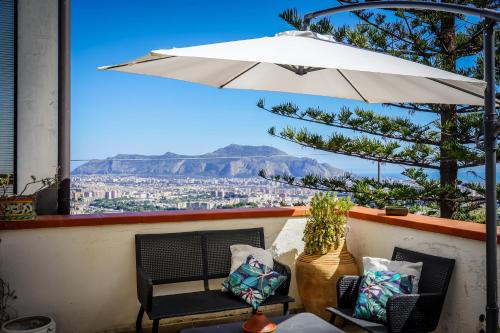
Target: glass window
[[7, 86]]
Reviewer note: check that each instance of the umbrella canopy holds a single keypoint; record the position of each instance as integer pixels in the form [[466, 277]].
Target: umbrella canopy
[[308, 63]]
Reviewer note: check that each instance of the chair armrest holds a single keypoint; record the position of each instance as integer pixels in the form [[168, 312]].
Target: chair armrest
[[348, 290], [414, 311], [144, 289], [283, 270]]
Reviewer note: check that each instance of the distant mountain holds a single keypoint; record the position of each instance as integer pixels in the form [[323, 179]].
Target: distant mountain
[[231, 161]]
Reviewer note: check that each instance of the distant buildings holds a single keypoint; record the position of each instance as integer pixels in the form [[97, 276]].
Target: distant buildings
[[108, 193]]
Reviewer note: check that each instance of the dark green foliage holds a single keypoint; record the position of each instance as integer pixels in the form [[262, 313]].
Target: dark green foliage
[[447, 143]]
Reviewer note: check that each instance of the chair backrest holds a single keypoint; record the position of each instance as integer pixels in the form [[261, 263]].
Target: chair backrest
[[436, 271], [191, 256]]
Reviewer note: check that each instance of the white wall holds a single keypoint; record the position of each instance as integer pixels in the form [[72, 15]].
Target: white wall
[[85, 276], [37, 89], [467, 291]]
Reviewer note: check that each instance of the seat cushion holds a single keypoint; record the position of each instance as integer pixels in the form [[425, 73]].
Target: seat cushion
[[203, 302], [369, 326]]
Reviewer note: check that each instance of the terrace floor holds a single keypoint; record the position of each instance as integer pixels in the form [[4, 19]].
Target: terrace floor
[[176, 328]]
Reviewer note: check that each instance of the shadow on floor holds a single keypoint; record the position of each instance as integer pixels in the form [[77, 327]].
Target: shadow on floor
[[177, 327]]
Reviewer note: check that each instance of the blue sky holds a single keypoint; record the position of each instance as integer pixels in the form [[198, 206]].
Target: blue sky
[[121, 113]]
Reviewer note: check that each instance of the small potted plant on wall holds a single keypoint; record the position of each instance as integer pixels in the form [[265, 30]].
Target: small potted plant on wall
[[15, 207], [325, 257]]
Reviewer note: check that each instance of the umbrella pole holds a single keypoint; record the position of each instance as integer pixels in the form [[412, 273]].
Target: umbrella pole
[[490, 150]]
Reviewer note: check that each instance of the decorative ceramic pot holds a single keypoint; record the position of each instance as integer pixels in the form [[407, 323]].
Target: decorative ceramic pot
[[17, 208], [396, 211], [317, 277], [33, 324], [258, 323]]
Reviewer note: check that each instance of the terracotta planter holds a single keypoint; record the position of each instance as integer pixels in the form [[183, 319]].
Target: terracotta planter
[[317, 277], [17, 208]]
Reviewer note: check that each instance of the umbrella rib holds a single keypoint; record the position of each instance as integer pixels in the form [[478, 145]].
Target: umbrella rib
[[134, 63], [237, 76], [352, 85], [460, 89]]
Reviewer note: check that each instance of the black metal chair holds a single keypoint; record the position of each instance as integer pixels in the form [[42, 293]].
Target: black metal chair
[[194, 256], [405, 313]]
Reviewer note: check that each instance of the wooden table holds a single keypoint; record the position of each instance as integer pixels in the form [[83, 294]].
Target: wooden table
[[299, 323]]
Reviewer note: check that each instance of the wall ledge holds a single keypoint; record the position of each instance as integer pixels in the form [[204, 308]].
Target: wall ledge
[[61, 221], [454, 228], [438, 225]]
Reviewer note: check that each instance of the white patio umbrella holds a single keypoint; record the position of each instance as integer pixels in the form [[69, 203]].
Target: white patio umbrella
[[308, 63]]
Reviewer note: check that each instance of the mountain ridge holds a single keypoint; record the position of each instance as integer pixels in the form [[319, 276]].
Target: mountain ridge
[[231, 161]]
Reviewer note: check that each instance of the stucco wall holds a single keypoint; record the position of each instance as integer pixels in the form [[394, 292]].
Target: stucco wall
[[85, 276], [37, 89], [467, 291]]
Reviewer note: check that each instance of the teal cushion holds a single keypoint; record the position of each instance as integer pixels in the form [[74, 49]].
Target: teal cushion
[[375, 290], [253, 282]]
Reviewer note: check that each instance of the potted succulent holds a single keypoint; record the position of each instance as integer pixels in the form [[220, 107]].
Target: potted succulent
[[325, 257], [21, 206]]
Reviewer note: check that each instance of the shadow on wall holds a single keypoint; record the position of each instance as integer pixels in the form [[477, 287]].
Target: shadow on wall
[[286, 248]]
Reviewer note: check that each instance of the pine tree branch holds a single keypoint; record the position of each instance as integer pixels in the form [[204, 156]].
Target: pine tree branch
[[369, 122], [468, 109], [465, 46], [365, 148], [420, 108], [370, 191], [360, 121], [416, 155], [365, 19]]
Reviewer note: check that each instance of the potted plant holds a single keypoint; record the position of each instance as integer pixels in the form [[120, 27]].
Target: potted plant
[[325, 257], [7, 294], [21, 206], [30, 324]]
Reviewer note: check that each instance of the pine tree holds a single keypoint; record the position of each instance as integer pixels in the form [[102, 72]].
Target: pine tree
[[446, 144]]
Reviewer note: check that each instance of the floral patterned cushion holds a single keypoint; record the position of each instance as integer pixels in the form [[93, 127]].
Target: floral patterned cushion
[[375, 290], [253, 281]]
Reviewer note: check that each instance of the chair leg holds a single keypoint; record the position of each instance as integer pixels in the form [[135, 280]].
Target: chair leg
[[286, 312], [156, 323], [138, 323]]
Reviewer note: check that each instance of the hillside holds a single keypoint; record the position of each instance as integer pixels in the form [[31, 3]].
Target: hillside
[[231, 161]]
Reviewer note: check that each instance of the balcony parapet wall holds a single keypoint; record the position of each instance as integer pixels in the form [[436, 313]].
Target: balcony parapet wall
[[81, 269], [455, 228]]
